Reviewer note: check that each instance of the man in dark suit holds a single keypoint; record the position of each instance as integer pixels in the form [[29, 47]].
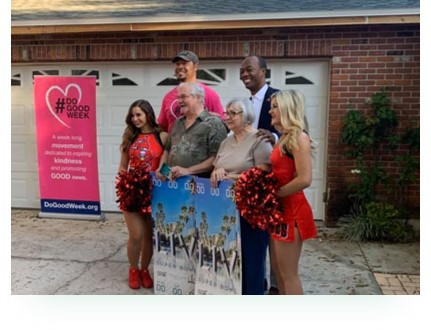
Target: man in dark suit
[[253, 74]]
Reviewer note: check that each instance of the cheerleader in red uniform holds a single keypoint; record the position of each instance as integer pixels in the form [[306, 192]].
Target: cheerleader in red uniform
[[142, 145], [291, 163]]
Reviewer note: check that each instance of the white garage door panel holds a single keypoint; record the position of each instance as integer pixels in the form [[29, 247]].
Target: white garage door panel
[[107, 194], [19, 120], [318, 159], [116, 119], [110, 118], [108, 154], [25, 189], [315, 113], [143, 82], [23, 153], [22, 120], [314, 197], [109, 159], [316, 72]]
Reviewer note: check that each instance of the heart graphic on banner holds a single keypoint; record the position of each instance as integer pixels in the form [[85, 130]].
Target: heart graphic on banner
[[60, 102]]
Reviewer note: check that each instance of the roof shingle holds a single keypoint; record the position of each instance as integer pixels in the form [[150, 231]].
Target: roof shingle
[[29, 10]]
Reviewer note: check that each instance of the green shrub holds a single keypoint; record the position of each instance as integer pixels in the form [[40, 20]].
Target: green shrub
[[370, 136], [376, 222]]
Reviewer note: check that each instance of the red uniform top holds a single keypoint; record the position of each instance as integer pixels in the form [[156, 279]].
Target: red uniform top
[[297, 211], [146, 150]]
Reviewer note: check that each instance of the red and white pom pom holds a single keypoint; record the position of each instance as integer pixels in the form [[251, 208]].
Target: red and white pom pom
[[133, 189], [256, 198]]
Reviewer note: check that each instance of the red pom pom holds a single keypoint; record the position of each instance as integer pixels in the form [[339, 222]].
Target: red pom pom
[[256, 198], [133, 190]]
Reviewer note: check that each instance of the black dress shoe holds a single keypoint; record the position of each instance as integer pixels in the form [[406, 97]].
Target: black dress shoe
[[273, 291]]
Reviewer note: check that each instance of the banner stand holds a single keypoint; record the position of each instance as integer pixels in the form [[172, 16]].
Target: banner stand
[[71, 216], [66, 133]]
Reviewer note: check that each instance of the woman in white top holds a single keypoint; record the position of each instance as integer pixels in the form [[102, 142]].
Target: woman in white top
[[239, 152]]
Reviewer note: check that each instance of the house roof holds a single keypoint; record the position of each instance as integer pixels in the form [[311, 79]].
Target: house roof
[[35, 16]]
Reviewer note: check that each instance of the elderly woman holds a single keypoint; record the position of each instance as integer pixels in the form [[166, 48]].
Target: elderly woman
[[239, 152]]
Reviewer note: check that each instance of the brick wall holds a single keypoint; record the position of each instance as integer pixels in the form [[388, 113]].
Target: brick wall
[[363, 60]]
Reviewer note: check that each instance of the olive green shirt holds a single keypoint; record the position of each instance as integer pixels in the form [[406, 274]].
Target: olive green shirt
[[189, 147]]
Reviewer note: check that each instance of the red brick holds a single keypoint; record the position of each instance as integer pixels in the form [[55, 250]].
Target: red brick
[[362, 67]]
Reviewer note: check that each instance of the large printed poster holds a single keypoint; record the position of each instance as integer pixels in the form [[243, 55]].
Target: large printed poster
[[175, 237], [197, 245], [65, 114], [218, 271]]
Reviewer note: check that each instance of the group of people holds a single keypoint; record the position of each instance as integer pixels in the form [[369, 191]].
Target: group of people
[[195, 135]]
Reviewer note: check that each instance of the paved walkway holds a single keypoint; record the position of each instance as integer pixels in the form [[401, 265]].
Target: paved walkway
[[54, 260], [73, 257], [398, 284]]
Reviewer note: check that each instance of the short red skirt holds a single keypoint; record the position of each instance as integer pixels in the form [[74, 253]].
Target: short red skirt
[[297, 213]]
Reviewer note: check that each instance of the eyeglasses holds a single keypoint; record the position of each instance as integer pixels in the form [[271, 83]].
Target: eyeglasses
[[232, 113], [184, 96]]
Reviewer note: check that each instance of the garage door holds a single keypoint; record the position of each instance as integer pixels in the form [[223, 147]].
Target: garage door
[[118, 85]]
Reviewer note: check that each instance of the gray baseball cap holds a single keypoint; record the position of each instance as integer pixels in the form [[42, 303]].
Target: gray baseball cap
[[187, 56]]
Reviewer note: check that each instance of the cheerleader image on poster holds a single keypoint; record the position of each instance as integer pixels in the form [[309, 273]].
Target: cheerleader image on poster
[[175, 236], [218, 269]]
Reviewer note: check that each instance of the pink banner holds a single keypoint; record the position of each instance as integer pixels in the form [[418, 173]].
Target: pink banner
[[65, 111]]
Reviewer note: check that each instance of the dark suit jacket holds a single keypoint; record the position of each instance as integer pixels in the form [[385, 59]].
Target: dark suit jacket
[[265, 118]]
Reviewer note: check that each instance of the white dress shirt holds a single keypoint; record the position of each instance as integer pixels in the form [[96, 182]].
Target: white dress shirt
[[257, 101]]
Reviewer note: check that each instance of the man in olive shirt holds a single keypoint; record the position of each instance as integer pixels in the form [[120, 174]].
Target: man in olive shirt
[[195, 137]]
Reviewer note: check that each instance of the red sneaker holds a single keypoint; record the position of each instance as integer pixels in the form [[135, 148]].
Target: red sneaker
[[147, 281], [134, 282]]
